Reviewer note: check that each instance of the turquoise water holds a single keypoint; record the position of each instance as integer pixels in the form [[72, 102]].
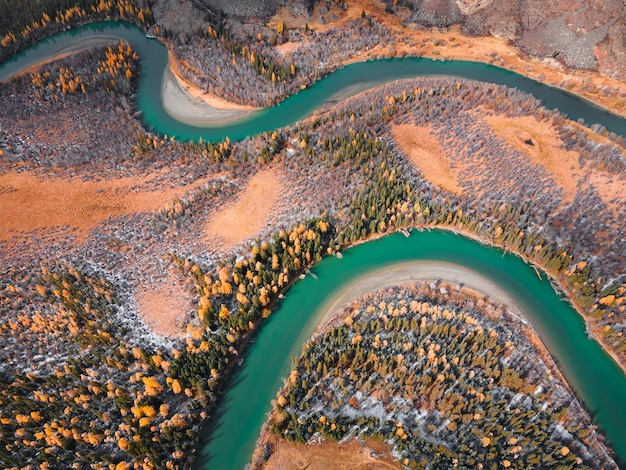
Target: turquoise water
[[232, 432], [596, 378], [154, 60]]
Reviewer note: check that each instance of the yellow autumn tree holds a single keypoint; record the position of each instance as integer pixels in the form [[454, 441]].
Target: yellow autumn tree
[[123, 443], [153, 388], [176, 387], [224, 312]]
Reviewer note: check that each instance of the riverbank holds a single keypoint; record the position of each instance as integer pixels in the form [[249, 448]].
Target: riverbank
[[172, 241], [597, 336], [554, 278], [65, 51], [471, 283], [188, 103], [192, 105], [420, 271], [561, 284], [451, 44]]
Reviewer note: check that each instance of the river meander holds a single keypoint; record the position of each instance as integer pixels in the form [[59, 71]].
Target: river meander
[[596, 378], [362, 75]]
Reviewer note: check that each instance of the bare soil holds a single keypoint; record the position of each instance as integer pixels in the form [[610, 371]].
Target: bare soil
[[163, 304], [326, 454], [323, 17], [374, 454], [29, 202], [426, 154], [197, 95], [245, 217], [439, 43]]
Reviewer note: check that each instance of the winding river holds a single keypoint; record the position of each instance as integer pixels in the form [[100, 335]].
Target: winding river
[[598, 381], [154, 61], [596, 378]]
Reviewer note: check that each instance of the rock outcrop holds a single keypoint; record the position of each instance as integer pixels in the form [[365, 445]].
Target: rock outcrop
[[588, 34]]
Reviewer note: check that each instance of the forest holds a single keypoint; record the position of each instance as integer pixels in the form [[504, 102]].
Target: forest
[[23, 23], [440, 381]]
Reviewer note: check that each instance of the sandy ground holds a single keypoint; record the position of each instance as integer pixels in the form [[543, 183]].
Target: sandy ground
[[245, 217], [180, 99], [472, 283], [189, 104], [421, 271], [346, 456], [287, 48], [29, 202], [426, 154], [192, 105]]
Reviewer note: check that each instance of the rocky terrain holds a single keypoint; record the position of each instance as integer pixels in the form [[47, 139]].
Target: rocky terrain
[[579, 33]]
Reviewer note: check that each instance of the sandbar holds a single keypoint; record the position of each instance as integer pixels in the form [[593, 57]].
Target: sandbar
[[420, 271], [31, 64], [190, 105]]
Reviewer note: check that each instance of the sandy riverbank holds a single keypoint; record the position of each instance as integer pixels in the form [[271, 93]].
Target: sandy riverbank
[[472, 283], [180, 99], [34, 63], [189, 104], [421, 271]]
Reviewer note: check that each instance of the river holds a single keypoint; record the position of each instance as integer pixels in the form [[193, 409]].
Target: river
[[363, 75], [233, 429], [598, 381]]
